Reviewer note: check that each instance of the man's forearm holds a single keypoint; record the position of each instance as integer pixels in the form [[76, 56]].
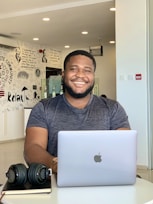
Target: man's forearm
[[35, 153]]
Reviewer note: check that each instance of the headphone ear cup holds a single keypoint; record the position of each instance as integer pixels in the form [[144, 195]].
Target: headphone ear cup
[[17, 174], [37, 174]]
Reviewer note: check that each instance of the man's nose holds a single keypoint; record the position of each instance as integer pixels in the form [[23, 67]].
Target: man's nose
[[80, 73]]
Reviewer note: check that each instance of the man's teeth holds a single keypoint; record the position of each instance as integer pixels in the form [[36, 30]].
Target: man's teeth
[[79, 82]]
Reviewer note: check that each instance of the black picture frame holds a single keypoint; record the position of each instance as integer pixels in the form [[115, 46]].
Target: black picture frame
[[96, 50]]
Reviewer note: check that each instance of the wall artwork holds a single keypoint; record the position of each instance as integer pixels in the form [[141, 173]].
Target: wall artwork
[[21, 73]]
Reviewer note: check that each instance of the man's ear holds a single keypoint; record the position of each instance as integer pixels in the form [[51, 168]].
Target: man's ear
[[62, 75]]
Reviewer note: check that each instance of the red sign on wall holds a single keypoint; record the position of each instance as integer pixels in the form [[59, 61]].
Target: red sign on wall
[[138, 76]]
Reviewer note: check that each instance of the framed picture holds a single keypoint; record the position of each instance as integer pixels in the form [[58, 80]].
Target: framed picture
[[96, 50]]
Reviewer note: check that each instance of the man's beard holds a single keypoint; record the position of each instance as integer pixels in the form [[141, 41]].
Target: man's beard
[[77, 95]]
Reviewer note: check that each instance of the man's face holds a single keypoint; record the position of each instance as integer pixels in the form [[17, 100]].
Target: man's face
[[78, 77]]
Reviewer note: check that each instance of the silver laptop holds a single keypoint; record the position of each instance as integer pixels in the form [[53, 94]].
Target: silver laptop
[[96, 157]]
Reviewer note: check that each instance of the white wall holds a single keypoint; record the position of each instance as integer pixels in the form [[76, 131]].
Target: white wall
[[106, 72], [132, 59], [12, 124], [150, 82]]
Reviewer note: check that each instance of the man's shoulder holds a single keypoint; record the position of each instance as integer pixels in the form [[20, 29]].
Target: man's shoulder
[[51, 101], [105, 101], [45, 101]]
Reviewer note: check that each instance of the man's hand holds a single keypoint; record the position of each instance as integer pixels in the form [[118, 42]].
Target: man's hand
[[54, 164]]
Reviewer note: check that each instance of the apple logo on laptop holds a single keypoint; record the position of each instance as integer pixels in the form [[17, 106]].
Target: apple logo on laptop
[[97, 158]]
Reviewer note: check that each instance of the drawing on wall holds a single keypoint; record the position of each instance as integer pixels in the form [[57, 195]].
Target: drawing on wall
[[23, 75], [2, 93], [35, 95], [55, 58], [34, 87], [24, 89], [29, 59], [11, 97], [18, 96], [37, 72], [18, 54], [19, 64], [6, 73], [44, 59]]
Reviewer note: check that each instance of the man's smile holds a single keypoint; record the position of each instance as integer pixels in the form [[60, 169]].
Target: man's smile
[[79, 83]]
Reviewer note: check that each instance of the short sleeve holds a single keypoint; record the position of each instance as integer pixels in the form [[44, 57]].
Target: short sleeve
[[37, 116], [119, 118]]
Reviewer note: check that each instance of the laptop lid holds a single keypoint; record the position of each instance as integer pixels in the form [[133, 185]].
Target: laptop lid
[[96, 157]]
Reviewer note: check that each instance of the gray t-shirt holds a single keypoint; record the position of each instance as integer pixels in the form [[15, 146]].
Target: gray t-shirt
[[57, 114]]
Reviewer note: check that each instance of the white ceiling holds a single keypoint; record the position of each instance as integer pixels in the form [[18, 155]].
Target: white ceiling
[[22, 19]]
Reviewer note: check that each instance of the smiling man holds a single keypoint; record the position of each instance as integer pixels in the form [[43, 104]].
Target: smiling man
[[76, 109], [78, 78]]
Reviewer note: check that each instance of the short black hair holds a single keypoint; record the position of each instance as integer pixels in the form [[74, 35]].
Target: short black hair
[[79, 52]]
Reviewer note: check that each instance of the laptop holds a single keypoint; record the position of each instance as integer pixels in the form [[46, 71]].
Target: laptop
[[96, 158]]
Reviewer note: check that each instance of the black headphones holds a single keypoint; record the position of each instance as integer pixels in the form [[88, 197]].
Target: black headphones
[[36, 174]]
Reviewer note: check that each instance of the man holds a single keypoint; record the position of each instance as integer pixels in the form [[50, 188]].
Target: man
[[76, 109]]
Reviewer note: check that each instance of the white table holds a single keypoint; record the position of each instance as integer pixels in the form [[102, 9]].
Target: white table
[[140, 193]]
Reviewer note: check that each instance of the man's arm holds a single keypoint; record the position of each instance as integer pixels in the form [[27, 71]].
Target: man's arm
[[124, 129], [35, 148]]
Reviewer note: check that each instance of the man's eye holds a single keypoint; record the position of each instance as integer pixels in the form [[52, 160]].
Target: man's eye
[[73, 68], [88, 70]]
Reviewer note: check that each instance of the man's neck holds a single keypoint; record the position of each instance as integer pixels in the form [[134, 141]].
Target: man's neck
[[79, 103]]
